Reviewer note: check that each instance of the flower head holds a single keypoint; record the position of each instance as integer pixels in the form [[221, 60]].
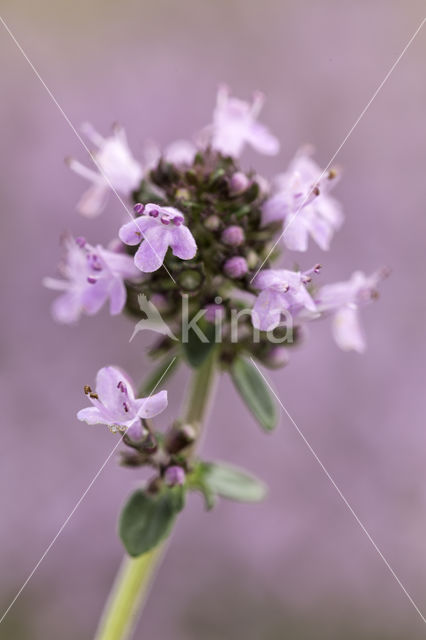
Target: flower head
[[282, 291], [234, 125], [116, 168], [114, 403], [157, 229], [302, 201], [343, 300], [92, 275]]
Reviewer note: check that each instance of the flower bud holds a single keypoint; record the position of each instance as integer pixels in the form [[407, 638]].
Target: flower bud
[[233, 236], [214, 312], [179, 438], [236, 267], [252, 259], [182, 194], [276, 358], [263, 184], [238, 183], [212, 223], [174, 476]]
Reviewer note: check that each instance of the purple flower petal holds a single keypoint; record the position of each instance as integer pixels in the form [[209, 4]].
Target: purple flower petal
[[117, 297], [347, 330], [152, 406], [267, 310], [183, 243], [91, 415], [133, 232], [150, 255]]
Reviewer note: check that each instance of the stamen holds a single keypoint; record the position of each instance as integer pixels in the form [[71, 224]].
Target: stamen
[[80, 241], [139, 207], [165, 219], [122, 387], [154, 213], [332, 174], [93, 395], [177, 221], [87, 389], [126, 407], [92, 280], [94, 262]]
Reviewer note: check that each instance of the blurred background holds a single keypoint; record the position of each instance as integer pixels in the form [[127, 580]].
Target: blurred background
[[298, 565]]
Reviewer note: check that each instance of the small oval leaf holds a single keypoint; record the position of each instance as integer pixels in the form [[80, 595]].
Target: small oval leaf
[[147, 519], [232, 483], [253, 390]]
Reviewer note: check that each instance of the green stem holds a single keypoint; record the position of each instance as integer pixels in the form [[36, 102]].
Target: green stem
[[131, 586]]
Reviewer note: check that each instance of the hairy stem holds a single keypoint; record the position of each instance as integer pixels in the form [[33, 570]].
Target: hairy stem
[[135, 576]]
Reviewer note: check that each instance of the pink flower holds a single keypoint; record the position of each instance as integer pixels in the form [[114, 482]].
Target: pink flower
[[158, 229], [281, 291], [234, 125], [116, 168], [343, 300], [92, 275], [114, 403], [303, 203]]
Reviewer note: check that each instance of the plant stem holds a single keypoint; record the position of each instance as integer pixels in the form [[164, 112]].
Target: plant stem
[[130, 589], [131, 586]]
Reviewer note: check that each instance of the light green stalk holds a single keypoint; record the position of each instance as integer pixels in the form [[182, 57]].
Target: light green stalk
[[133, 581]]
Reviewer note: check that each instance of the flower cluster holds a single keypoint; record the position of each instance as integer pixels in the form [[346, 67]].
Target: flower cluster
[[201, 241]]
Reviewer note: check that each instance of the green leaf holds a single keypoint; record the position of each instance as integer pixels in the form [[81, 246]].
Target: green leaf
[[147, 519], [162, 373], [196, 351], [253, 390], [231, 482]]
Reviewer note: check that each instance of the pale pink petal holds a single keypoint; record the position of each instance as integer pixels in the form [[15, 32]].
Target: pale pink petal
[[262, 140], [267, 310], [347, 330], [95, 296], [152, 406], [117, 297], [91, 415], [295, 233], [67, 308], [93, 201], [133, 232], [150, 255], [183, 243]]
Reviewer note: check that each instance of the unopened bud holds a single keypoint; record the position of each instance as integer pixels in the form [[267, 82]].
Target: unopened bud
[[179, 438], [212, 223], [233, 236], [174, 476], [238, 183], [214, 312], [235, 267], [276, 358]]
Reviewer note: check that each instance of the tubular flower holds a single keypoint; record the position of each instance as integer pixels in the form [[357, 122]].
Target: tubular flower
[[343, 300], [116, 168], [156, 230], [114, 403], [282, 291], [92, 275], [235, 125], [302, 202]]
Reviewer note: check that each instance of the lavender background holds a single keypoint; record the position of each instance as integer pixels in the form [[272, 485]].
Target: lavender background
[[298, 565]]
